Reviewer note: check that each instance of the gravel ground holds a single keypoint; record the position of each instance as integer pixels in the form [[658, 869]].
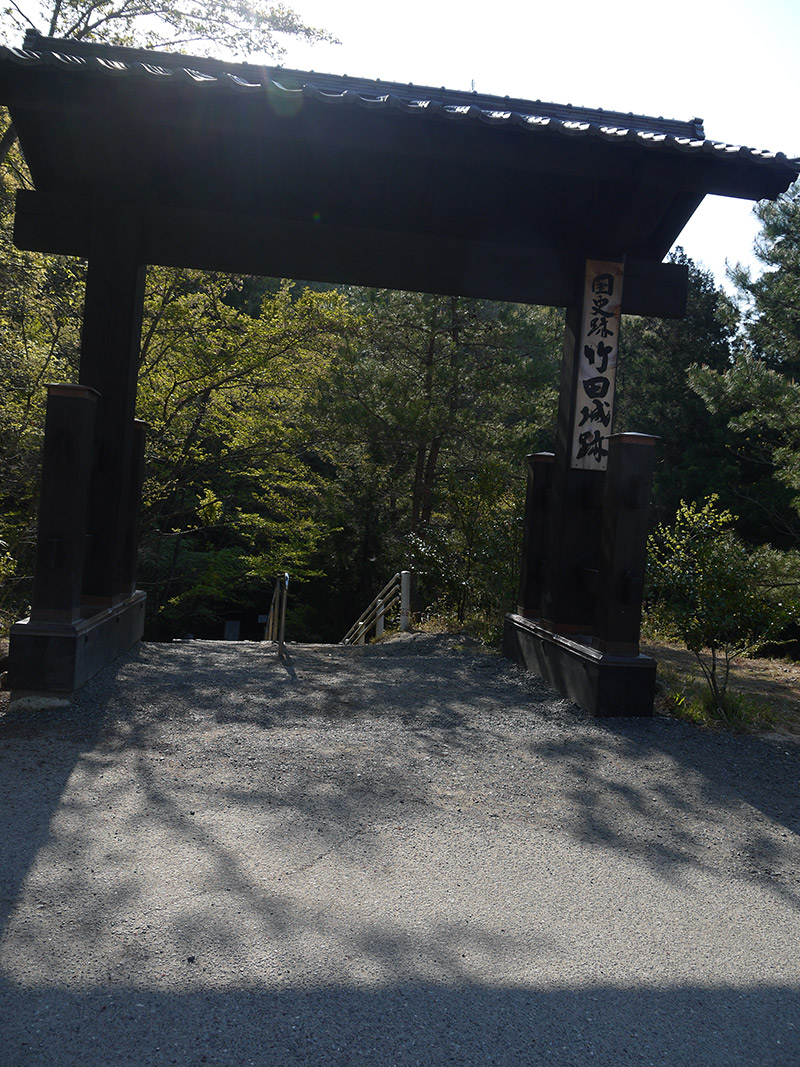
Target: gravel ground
[[412, 853]]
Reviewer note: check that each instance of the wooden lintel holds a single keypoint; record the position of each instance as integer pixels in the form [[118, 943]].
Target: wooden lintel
[[718, 172], [45, 222], [311, 251]]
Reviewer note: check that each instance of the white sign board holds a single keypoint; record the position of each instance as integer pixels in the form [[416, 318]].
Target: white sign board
[[597, 365]]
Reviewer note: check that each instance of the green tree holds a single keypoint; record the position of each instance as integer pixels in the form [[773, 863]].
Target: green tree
[[41, 300], [713, 593], [761, 409], [207, 25], [654, 394], [204, 26], [40, 305], [756, 396], [230, 495], [428, 397], [772, 298], [471, 554], [223, 392]]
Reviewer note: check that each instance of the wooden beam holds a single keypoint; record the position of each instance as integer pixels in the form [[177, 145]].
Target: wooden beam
[[309, 251]]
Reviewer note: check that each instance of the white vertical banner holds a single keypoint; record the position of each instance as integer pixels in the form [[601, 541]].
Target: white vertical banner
[[597, 365]]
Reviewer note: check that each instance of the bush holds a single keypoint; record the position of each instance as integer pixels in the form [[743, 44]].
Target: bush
[[713, 593]]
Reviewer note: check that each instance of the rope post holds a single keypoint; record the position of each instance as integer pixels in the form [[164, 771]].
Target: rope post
[[405, 600], [282, 632]]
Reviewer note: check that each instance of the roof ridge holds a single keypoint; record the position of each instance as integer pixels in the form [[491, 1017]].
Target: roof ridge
[[692, 128]]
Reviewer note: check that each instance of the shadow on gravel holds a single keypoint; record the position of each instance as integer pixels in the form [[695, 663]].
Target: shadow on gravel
[[681, 797], [416, 1024], [677, 797], [435, 725], [332, 750], [37, 756]]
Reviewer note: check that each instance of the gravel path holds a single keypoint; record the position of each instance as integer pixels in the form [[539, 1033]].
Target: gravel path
[[412, 853]]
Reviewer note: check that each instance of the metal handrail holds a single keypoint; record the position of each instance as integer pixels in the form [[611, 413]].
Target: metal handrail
[[276, 620], [398, 588]]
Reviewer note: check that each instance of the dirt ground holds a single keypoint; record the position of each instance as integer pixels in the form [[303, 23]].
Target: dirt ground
[[774, 683]]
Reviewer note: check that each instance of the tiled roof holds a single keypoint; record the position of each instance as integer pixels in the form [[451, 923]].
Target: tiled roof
[[265, 170], [209, 75]]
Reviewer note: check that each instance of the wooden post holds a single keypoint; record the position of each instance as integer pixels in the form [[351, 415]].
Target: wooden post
[[405, 600], [85, 610], [61, 535], [110, 341], [131, 543], [538, 497], [624, 543], [282, 632], [585, 413]]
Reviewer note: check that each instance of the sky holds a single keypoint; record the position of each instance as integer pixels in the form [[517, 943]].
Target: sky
[[733, 63]]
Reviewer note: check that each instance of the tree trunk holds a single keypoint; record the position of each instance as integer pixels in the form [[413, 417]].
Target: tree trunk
[[417, 489], [427, 485], [7, 142]]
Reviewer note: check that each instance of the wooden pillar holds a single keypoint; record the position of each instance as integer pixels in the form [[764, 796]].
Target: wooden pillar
[[85, 611], [109, 364], [131, 544], [538, 496], [585, 416], [624, 543], [587, 642], [61, 535]]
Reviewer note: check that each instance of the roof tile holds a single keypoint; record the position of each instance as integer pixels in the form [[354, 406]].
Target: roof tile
[[656, 134]]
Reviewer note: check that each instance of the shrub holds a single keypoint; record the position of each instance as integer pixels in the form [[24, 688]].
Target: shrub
[[713, 593]]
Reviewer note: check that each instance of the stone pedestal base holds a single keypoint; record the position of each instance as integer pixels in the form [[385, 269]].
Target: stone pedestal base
[[602, 684], [54, 660]]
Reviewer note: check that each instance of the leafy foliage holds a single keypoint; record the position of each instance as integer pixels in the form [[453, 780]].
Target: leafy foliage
[[756, 395], [230, 497], [206, 27], [243, 27], [713, 593], [773, 298], [41, 300], [430, 400], [761, 409], [654, 394], [470, 558]]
